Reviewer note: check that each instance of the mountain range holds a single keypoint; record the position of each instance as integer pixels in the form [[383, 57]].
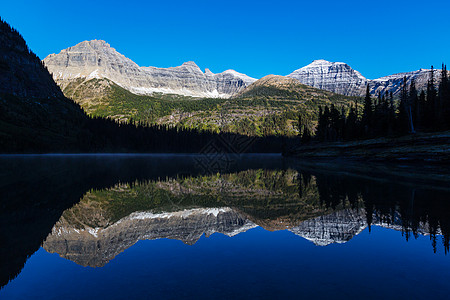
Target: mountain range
[[97, 59], [340, 78], [107, 84]]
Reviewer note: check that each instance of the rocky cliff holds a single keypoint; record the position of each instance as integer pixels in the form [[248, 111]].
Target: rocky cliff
[[393, 83], [331, 76], [340, 78], [97, 59]]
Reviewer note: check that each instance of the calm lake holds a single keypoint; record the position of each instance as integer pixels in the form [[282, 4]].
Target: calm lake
[[221, 226]]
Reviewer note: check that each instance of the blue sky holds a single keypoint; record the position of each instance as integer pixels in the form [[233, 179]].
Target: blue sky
[[258, 38]]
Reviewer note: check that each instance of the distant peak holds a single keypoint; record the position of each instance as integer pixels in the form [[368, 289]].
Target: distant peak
[[99, 43], [190, 64], [102, 42], [93, 44]]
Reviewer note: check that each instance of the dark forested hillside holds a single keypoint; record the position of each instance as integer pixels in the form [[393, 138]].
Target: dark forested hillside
[[34, 114]]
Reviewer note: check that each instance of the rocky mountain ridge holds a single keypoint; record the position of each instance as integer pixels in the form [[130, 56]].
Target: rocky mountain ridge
[[97, 59], [339, 77]]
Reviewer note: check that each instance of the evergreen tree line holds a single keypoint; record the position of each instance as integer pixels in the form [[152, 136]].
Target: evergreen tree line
[[383, 116], [107, 135]]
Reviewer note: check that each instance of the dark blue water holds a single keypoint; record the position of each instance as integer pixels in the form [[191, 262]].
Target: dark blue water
[[402, 256], [255, 264]]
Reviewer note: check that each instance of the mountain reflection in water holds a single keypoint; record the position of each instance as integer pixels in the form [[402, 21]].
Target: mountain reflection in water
[[90, 209]]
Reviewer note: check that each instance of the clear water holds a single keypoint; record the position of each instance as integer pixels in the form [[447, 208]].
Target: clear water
[[254, 226]]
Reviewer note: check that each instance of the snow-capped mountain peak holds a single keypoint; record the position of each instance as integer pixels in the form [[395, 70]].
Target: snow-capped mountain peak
[[337, 77]]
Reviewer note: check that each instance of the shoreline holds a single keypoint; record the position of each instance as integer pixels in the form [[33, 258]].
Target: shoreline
[[429, 148]]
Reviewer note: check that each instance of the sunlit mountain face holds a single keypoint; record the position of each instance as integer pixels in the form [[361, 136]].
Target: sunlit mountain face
[[93, 210]]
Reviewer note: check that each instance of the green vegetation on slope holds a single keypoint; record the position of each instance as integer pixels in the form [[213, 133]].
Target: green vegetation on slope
[[260, 111]]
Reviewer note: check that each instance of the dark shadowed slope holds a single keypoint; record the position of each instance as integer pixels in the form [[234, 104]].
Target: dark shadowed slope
[[34, 114]]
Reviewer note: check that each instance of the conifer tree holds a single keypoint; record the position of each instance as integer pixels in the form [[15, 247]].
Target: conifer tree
[[351, 125], [366, 119], [444, 99], [421, 109], [431, 103], [407, 104]]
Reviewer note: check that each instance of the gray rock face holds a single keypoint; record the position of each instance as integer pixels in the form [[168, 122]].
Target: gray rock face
[[338, 227], [393, 83], [96, 59], [340, 78], [335, 77], [95, 247]]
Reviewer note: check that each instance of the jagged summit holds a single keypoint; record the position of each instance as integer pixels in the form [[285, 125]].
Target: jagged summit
[[208, 72], [190, 64], [97, 59]]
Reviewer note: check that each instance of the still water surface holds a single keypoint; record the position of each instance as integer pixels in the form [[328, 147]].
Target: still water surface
[[251, 226]]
